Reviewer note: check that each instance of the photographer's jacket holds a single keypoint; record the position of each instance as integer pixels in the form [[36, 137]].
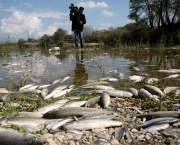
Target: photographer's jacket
[[76, 18]]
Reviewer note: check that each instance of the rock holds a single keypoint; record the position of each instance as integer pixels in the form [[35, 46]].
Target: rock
[[147, 137], [114, 141], [50, 142], [134, 130], [140, 137], [69, 136], [71, 143], [77, 137]]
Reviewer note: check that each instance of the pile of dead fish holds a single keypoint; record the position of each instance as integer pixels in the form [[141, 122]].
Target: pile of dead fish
[[89, 118]]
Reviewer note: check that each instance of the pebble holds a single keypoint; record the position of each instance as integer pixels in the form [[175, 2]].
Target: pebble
[[134, 130], [140, 137], [114, 141], [71, 143], [77, 137]]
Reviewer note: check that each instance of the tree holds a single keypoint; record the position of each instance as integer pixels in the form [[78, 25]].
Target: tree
[[59, 35], [155, 12]]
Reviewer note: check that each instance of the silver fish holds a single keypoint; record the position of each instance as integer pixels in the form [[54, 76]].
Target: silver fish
[[25, 87], [44, 92], [174, 114], [172, 76], [157, 121], [12, 137], [154, 90], [105, 100], [129, 136], [169, 89], [144, 94], [99, 87], [119, 93], [118, 134], [95, 83], [61, 123], [154, 128], [88, 124], [133, 91], [64, 79], [74, 104], [61, 93], [71, 111], [91, 102], [4, 91], [30, 91]]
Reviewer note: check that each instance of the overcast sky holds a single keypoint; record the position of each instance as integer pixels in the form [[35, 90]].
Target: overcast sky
[[34, 18]]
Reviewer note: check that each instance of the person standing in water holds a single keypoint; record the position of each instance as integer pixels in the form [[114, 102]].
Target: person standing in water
[[78, 20]]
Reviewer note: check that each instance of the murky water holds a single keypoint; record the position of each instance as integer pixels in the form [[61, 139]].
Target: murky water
[[85, 66]]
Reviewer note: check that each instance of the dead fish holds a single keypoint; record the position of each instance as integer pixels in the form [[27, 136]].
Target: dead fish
[[61, 123], [30, 91], [168, 71], [64, 79], [12, 137], [61, 93], [29, 114], [155, 98], [144, 94], [170, 89], [136, 69], [117, 93], [56, 81], [24, 121], [109, 79], [74, 104], [71, 111], [50, 95], [4, 91], [101, 142], [154, 90], [133, 91], [157, 121], [174, 114], [172, 76], [171, 133], [49, 107], [91, 102], [44, 92], [45, 86], [136, 78], [154, 128], [95, 83], [25, 87], [129, 136], [105, 100], [177, 92], [118, 134], [99, 87], [60, 88], [88, 124]]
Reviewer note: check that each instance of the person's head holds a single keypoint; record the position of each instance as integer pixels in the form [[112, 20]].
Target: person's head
[[81, 9]]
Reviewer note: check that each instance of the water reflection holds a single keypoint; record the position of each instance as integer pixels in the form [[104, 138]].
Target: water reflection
[[80, 74]]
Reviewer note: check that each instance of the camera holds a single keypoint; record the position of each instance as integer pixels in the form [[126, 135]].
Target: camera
[[73, 9]]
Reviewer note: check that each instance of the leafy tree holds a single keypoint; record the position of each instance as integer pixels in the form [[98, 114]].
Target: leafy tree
[[155, 12]]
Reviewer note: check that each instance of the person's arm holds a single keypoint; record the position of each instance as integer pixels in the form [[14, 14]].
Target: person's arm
[[84, 21]]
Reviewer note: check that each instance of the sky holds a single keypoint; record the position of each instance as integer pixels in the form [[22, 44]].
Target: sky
[[23, 19]]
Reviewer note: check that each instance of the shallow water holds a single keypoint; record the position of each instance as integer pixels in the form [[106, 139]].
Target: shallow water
[[86, 66]]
